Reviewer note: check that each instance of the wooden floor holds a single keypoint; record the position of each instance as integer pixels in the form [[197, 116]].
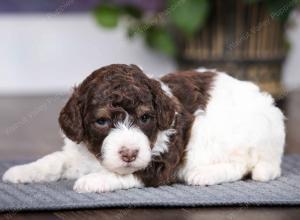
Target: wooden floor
[[29, 129]]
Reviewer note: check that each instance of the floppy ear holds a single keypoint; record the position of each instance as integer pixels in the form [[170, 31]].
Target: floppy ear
[[164, 106], [70, 119]]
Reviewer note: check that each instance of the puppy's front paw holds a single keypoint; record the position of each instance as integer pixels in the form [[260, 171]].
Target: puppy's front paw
[[17, 174], [31, 173], [200, 178], [92, 183]]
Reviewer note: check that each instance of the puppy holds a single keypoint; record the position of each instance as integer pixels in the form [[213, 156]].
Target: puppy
[[123, 129]]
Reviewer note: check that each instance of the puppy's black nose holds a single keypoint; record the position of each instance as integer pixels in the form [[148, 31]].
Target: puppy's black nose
[[128, 155]]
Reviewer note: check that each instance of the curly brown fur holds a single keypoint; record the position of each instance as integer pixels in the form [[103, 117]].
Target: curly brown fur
[[190, 88]]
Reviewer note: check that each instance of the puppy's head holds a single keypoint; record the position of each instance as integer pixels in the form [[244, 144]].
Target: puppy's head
[[117, 112]]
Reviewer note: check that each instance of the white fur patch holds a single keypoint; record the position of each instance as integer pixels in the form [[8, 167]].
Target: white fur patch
[[199, 112], [203, 69], [139, 66], [162, 142], [125, 124], [165, 88]]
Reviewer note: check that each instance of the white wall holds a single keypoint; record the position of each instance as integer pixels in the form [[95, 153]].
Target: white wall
[[48, 54]]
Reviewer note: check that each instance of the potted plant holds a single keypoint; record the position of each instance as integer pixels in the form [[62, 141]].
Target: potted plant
[[242, 37]]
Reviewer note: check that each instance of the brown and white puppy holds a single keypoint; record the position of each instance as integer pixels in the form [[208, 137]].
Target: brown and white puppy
[[124, 129]]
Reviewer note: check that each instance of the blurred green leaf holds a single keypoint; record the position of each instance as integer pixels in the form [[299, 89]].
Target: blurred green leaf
[[107, 15], [132, 30], [132, 11], [188, 15], [160, 39], [280, 9]]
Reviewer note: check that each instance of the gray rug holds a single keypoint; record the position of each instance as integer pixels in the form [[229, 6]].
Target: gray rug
[[59, 195]]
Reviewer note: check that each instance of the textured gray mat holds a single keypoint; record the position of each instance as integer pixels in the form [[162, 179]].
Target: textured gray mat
[[59, 195]]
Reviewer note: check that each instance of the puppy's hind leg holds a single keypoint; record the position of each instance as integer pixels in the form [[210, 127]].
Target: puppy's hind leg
[[267, 163], [266, 170], [215, 173]]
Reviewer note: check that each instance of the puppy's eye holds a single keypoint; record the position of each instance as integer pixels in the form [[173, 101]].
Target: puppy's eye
[[145, 118], [103, 122]]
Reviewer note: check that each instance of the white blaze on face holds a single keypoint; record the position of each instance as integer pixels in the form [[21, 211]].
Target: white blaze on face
[[125, 136]]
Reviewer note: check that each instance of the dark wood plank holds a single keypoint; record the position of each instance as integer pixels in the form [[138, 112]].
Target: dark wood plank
[[31, 216], [182, 213], [29, 127], [220, 213]]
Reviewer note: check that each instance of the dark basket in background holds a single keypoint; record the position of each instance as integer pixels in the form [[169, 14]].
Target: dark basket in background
[[246, 41]]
